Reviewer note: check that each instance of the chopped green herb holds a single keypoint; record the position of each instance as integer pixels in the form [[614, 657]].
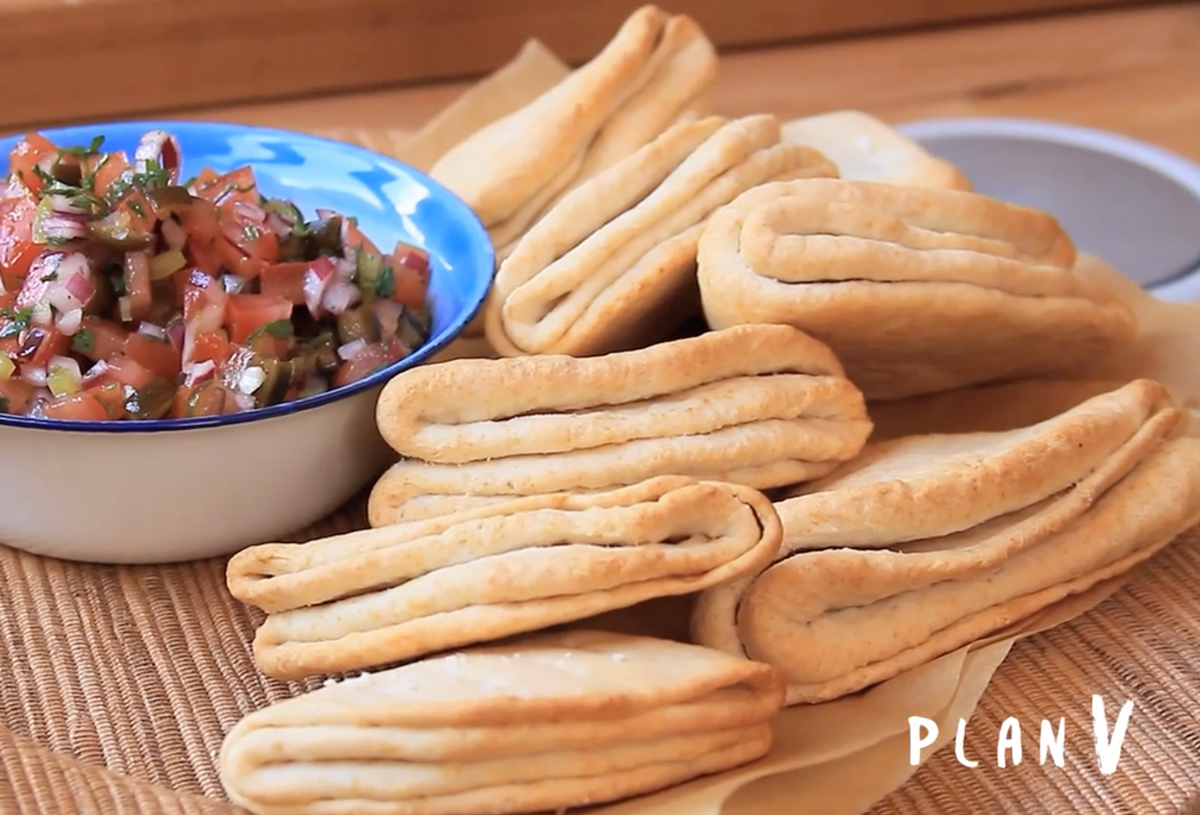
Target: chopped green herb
[[279, 329], [385, 284], [49, 276], [17, 321], [136, 206], [81, 152], [118, 282], [251, 233], [3, 404], [83, 342]]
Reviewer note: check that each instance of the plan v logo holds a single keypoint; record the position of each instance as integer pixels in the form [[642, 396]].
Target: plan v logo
[[923, 733]]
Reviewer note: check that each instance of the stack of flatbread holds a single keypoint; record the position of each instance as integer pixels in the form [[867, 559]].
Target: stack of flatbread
[[556, 721], [612, 266], [926, 543], [878, 447], [916, 289], [764, 406], [380, 596]]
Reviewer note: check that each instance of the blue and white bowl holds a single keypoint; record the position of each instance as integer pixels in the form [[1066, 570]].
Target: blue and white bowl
[[181, 489]]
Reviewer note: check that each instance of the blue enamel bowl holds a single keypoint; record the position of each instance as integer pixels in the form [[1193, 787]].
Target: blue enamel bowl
[[179, 489]]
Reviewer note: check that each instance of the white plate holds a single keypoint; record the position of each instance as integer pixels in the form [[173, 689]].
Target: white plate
[[1133, 204]]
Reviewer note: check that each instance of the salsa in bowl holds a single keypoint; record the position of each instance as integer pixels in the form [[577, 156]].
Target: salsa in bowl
[[127, 292], [195, 323]]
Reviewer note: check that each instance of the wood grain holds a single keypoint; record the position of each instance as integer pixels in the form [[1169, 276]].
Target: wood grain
[[1132, 71], [87, 59]]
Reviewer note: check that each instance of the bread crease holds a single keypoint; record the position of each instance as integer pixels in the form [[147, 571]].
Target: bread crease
[[378, 596], [928, 543], [916, 290], [764, 406]]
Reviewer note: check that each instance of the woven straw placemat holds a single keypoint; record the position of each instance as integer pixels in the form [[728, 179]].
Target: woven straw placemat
[[120, 683]]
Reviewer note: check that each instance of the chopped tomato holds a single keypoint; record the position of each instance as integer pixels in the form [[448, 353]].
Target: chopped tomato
[[248, 247], [53, 344], [15, 395], [205, 305], [105, 169], [96, 404], [371, 359], [211, 345], [352, 237], [99, 339], [284, 280], [17, 249], [126, 371], [155, 355], [203, 228], [28, 154], [249, 312], [238, 185], [411, 274]]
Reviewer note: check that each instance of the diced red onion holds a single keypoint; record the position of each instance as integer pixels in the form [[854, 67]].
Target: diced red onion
[[326, 214], [62, 204], [70, 322], [80, 286], [252, 212], [34, 376], [389, 313], [352, 350], [175, 332], [153, 331], [41, 314], [63, 228], [244, 401], [339, 296], [173, 234], [161, 147], [346, 268], [278, 225], [96, 372], [197, 372], [316, 280]]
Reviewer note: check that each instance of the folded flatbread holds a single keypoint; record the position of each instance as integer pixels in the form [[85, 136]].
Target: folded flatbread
[[378, 596], [612, 264], [925, 544], [657, 69], [761, 405], [916, 290], [542, 724], [866, 149]]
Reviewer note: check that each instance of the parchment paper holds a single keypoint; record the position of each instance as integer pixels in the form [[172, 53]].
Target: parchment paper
[[841, 757]]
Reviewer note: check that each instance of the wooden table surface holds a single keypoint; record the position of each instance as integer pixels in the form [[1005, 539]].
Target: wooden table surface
[[1135, 71]]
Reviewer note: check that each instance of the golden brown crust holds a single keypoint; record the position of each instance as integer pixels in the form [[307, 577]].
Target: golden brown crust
[[499, 168], [550, 721], [378, 596], [916, 290]]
